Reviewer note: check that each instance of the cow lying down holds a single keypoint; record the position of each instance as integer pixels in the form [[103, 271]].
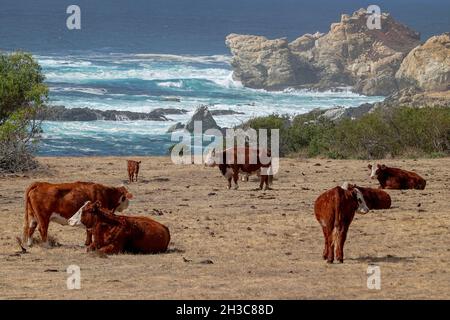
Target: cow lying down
[[395, 178], [375, 199], [114, 234]]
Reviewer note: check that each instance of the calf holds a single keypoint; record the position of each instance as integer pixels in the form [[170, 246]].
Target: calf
[[242, 160], [335, 209], [133, 170], [375, 199], [394, 178], [117, 234], [45, 202]]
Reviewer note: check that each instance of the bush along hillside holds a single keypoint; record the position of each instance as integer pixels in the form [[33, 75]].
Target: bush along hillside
[[22, 95], [397, 132]]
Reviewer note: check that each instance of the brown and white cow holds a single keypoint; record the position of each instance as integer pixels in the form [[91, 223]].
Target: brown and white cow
[[133, 170], [375, 199], [335, 209], [242, 160], [394, 178], [116, 234], [45, 202]]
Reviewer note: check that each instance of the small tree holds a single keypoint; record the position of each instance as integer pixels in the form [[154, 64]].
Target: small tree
[[22, 96]]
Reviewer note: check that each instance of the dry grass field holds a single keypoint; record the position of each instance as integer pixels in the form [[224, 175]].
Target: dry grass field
[[237, 244]]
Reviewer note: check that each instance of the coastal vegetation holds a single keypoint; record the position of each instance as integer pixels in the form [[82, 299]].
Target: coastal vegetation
[[22, 96], [397, 132]]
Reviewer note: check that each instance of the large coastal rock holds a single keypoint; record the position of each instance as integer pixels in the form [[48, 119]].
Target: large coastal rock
[[427, 67], [348, 55], [261, 63]]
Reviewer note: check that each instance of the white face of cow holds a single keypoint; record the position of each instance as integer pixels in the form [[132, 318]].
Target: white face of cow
[[75, 220], [362, 206], [124, 202], [373, 171]]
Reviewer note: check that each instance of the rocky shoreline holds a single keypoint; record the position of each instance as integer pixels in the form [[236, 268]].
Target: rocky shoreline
[[371, 62], [61, 113]]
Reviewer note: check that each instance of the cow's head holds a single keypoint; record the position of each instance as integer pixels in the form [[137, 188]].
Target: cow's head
[[85, 216], [124, 199], [210, 160], [375, 170], [358, 196]]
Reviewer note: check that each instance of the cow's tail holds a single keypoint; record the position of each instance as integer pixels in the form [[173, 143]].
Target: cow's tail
[[28, 213], [334, 237], [337, 220]]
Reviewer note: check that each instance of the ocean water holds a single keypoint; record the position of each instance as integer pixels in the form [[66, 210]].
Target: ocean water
[[143, 83], [132, 55]]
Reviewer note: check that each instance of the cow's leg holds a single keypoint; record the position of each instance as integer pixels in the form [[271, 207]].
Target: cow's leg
[[137, 173], [327, 237], [32, 227], [341, 237], [236, 179], [261, 182], [331, 244], [266, 181], [88, 237], [229, 182], [43, 230], [112, 248]]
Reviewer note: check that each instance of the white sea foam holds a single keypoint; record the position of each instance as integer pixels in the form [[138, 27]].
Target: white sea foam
[[56, 62], [185, 58], [186, 72], [171, 84], [94, 91]]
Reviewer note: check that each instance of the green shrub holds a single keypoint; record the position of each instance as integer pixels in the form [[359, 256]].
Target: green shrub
[[399, 132], [22, 95]]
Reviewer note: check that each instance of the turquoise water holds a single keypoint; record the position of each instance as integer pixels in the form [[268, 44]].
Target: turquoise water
[[143, 82]]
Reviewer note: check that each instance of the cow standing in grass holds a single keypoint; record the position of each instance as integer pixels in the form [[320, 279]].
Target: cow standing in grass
[[133, 170], [334, 210], [242, 160]]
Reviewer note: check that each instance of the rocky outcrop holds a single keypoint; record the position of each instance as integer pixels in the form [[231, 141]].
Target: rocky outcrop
[[427, 67], [261, 63], [176, 127], [61, 113], [348, 55], [201, 114], [414, 97]]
